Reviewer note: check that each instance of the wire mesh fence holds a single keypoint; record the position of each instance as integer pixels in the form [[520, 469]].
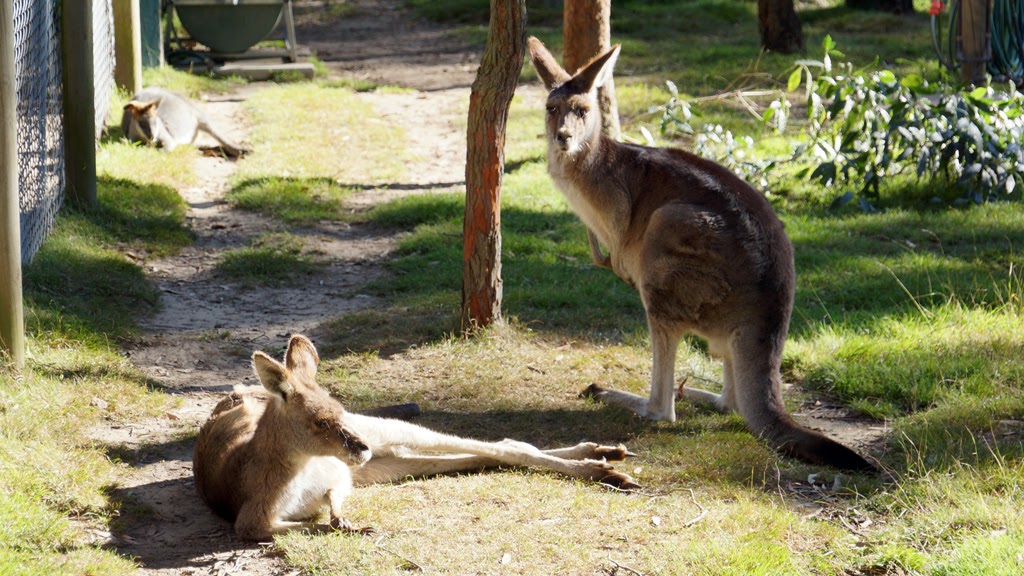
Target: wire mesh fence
[[40, 112], [40, 108]]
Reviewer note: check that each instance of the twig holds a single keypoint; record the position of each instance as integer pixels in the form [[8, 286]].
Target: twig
[[700, 516], [624, 567], [409, 562]]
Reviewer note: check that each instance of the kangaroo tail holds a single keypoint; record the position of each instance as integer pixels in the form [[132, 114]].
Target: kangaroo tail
[[792, 439]]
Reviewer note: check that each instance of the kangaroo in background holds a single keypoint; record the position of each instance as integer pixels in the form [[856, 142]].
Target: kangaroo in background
[[269, 459], [160, 117], [703, 248]]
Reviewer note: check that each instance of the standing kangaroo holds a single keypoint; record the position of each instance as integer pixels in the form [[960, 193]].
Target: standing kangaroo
[[269, 459], [702, 247], [158, 116]]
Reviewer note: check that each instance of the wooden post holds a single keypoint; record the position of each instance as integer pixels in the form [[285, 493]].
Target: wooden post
[[587, 32], [489, 101], [127, 45], [974, 40], [12, 315], [79, 102]]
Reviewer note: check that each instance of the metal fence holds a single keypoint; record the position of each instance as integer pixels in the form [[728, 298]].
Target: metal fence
[[40, 93]]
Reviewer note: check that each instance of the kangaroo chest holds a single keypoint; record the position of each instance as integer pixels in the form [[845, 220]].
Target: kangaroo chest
[[606, 215], [306, 493]]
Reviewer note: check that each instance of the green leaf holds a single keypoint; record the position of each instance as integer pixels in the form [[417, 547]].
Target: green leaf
[[828, 43], [794, 80], [886, 77], [825, 173], [842, 200]]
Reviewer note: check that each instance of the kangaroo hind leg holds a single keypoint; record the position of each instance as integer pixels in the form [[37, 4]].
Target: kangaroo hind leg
[[724, 402], [660, 405]]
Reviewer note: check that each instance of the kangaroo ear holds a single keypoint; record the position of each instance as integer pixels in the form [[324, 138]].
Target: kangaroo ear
[[139, 108], [598, 71], [549, 71], [301, 357], [272, 374]]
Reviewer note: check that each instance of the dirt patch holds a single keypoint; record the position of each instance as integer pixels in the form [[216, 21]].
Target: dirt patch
[[383, 42]]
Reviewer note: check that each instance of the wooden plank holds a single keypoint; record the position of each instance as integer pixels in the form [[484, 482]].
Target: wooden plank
[[127, 45], [79, 102]]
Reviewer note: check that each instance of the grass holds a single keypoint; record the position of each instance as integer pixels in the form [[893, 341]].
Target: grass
[[83, 298], [910, 316], [271, 259]]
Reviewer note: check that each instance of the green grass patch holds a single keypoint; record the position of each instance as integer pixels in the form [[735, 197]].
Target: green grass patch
[[271, 259], [297, 201], [308, 130]]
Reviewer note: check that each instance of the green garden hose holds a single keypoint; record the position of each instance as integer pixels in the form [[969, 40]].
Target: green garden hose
[[1006, 33]]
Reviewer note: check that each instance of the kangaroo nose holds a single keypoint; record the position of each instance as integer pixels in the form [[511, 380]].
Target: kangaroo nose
[[562, 137]]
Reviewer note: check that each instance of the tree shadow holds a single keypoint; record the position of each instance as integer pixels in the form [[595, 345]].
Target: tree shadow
[[69, 286]]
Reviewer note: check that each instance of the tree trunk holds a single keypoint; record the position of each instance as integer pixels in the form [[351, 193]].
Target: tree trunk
[[780, 28], [586, 33], [893, 6], [489, 102]]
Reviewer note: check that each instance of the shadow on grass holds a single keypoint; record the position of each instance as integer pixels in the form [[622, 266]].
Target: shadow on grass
[[88, 295], [80, 282], [858, 267], [306, 201], [865, 267]]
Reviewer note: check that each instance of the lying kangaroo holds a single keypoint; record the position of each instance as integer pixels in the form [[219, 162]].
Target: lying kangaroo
[[702, 247], [161, 117], [269, 459]]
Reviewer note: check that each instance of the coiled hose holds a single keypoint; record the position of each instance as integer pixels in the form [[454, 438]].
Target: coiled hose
[[1006, 33]]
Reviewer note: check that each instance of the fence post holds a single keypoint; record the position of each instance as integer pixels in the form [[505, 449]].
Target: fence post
[[12, 314], [127, 45], [974, 40], [79, 102]]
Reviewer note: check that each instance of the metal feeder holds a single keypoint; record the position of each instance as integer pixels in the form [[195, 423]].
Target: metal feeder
[[230, 27]]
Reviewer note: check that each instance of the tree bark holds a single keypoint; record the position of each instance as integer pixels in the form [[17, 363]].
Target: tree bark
[[489, 102], [779, 27], [893, 6], [586, 33]]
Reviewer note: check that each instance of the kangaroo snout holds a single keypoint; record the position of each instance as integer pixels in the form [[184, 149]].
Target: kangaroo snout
[[562, 137], [357, 452]]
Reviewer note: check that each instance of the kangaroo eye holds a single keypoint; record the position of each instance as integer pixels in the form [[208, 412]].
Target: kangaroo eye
[[552, 110], [581, 112], [323, 424]]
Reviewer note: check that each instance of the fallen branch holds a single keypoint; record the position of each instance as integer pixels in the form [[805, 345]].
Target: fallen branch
[[408, 563], [624, 567], [700, 516]]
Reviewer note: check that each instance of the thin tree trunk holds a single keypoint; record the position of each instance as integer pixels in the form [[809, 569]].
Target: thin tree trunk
[[489, 102], [586, 33], [780, 28]]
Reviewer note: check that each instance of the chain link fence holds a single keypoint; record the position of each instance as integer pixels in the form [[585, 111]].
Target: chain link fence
[[40, 109], [40, 112]]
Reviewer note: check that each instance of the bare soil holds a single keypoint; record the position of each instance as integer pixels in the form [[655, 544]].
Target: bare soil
[[197, 347]]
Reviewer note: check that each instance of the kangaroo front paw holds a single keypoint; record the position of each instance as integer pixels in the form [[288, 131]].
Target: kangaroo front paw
[[341, 525]]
